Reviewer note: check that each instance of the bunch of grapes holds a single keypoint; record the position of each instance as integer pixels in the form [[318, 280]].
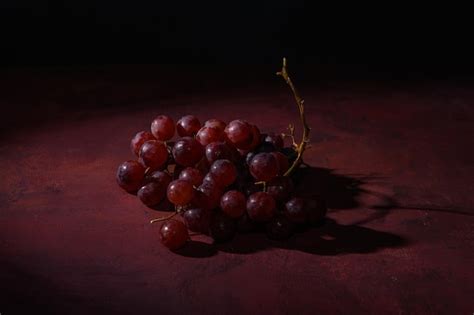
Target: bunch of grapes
[[218, 178]]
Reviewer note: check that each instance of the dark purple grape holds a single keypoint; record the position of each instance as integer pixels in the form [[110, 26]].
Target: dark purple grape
[[222, 227], [152, 193], [207, 196], [160, 177], [280, 188], [224, 172], [153, 154], [130, 175], [279, 228], [296, 210], [265, 147], [276, 140], [264, 167], [218, 151], [290, 153], [261, 207], [197, 220], [187, 151], [211, 180], [249, 157]]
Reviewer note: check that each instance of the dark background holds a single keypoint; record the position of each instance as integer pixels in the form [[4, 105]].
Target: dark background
[[388, 94], [390, 39]]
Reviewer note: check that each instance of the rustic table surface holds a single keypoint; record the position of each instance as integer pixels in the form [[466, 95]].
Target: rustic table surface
[[395, 163]]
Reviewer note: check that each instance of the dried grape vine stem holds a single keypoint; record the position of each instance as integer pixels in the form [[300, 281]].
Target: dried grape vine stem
[[164, 218], [299, 147]]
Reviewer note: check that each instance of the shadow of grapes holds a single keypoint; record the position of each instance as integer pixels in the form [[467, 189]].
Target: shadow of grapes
[[340, 192], [329, 239]]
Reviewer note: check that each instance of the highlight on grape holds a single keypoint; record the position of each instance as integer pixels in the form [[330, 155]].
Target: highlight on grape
[[220, 178]]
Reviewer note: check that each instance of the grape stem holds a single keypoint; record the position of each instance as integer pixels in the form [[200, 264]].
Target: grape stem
[[291, 135], [299, 147], [164, 218]]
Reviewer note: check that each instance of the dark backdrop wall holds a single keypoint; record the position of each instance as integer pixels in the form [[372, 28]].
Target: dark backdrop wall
[[391, 38]]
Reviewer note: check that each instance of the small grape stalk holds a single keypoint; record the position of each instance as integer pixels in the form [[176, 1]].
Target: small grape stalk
[[299, 147], [220, 178]]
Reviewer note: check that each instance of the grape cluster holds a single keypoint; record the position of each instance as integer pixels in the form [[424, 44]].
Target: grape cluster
[[220, 178]]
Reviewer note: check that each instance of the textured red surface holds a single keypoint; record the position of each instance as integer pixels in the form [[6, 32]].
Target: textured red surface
[[72, 242]]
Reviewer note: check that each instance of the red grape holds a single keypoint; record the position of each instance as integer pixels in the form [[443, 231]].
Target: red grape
[[138, 140], [215, 123], [162, 127], [207, 135], [174, 234], [233, 157], [192, 175], [180, 192], [261, 206], [233, 203], [239, 133], [282, 161], [296, 210], [264, 167], [197, 220], [218, 150], [130, 175], [252, 143], [187, 151], [153, 154], [152, 193], [222, 227], [188, 126], [224, 172]]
